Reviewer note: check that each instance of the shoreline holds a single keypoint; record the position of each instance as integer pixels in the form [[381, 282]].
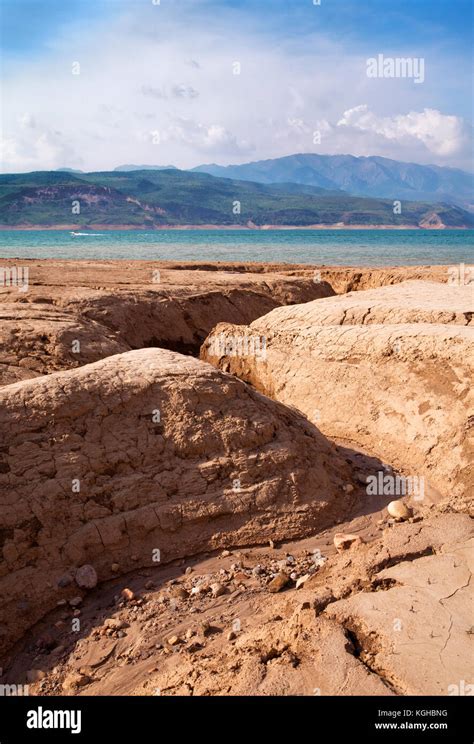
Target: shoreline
[[255, 228]]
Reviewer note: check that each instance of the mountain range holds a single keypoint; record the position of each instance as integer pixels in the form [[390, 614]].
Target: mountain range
[[156, 198], [361, 176]]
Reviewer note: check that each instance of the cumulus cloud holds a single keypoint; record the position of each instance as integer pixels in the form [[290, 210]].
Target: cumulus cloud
[[441, 134]]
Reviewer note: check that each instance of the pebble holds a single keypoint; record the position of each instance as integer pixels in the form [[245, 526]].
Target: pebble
[[115, 567], [75, 601], [348, 488], [399, 510], [75, 679], [278, 582], [179, 593], [173, 640], [149, 584], [344, 541], [231, 636], [189, 570], [127, 594], [217, 590], [86, 577], [271, 544], [225, 553]]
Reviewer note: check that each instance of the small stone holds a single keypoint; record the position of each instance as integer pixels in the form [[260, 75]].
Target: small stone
[[293, 576], [348, 488], [398, 510], [115, 567], [189, 570], [75, 679], [271, 544], [86, 577], [278, 582], [75, 601], [302, 580], [257, 570], [290, 559], [115, 624], [225, 553], [178, 592], [35, 675], [231, 636], [149, 584], [173, 640], [217, 590], [189, 633], [345, 541], [127, 594]]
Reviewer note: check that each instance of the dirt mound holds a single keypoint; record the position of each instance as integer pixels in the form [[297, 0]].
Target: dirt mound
[[399, 387], [143, 452]]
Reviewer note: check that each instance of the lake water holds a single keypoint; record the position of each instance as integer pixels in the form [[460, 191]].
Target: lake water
[[331, 247]]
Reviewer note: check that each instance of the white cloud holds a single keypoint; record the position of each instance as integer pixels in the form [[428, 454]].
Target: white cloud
[[441, 134], [137, 78]]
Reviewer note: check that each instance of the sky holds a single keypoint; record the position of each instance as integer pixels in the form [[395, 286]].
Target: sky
[[92, 84]]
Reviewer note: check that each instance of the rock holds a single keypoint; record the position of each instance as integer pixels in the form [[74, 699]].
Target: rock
[[115, 567], [348, 487], [398, 510], [293, 576], [217, 590], [225, 553], [271, 544], [75, 601], [86, 577], [231, 636], [302, 580], [35, 675], [75, 680], [173, 640], [115, 623], [278, 582], [368, 340], [149, 584], [345, 541], [178, 592], [189, 570], [127, 594]]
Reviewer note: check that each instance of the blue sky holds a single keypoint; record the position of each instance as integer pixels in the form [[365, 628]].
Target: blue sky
[[167, 69]]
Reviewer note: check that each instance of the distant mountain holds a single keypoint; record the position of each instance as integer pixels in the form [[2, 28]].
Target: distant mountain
[[362, 176], [156, 198], [126, 168]]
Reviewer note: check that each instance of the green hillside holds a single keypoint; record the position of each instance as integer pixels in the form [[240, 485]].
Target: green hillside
[[154, 198]]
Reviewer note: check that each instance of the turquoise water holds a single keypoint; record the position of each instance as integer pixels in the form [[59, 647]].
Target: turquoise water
[[331, 247]]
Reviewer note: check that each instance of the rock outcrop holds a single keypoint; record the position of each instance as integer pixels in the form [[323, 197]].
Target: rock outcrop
[[146, 457], [388, 371], [74, 314]]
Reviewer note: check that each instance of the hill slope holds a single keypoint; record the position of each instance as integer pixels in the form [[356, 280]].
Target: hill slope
[[157, 198]]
